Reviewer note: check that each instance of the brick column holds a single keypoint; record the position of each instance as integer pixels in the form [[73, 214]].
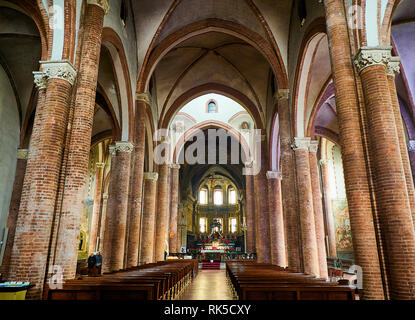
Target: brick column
[[116, 221], [180, 226], [331, 232], [14, 205], [162, 212], [93, 235], [288, 183], [80, 140], [137, 181], [34, 222], [305, 201], [174, 187], [102, 222], [263, 249], [390, 183], [250, 213], [393, 67], [318, 210], [353, 151], [167, 242], [276, 219], [149, 218], [411, 151]]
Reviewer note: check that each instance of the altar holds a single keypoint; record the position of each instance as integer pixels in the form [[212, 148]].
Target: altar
[[211, 251]]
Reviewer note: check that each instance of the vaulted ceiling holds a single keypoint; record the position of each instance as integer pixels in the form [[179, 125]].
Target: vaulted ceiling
[[213, 56]]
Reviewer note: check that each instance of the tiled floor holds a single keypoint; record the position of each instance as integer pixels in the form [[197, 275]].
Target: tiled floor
[[208, 285]]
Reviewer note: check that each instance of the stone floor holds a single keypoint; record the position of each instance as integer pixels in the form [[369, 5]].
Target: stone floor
[[208, 285]]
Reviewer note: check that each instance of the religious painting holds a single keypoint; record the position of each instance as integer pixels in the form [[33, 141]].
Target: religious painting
[[342, 226]]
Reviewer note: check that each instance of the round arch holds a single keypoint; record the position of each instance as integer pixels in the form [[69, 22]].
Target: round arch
[[113, 43], [326, 93], [198, 91], [208, 125], [309, 45]]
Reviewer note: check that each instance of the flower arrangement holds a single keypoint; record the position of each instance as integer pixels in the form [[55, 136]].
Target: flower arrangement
[[193, 250]]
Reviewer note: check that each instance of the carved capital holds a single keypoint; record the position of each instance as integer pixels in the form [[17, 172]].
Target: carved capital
[[282, 94], [313, 146], [60, 69], [164, 139], [101, 3], [121, 146], [40, 79], [370, 56], [394, 66], [323, 162], [142, 96], [301, 143], [105, 196], [151, 176], [175, 166], [274, 175], [100, 164], [249, 165], [22, 154]]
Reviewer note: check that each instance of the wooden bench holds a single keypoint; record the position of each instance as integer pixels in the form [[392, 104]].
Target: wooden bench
[[259, 281], [156, 281]]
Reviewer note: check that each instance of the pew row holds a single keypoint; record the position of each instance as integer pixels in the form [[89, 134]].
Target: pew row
[[155, 281], [261, 281]]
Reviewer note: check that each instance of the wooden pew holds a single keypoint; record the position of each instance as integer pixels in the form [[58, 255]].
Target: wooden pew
[[155, 281], [256, 281]]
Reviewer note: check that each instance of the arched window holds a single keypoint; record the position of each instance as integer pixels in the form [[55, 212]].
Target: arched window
[[203, 196], [202, 225], [212, 107], [232, 196], [233, 225], [218, 197]]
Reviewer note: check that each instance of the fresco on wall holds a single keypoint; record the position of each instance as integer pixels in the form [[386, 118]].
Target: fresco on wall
[[344, 242]]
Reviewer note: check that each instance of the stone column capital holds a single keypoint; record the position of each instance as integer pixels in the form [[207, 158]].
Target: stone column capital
[[105, 196], [249, 165], [301, 143], [274, 175], [59, 69], [151, 176], [175, 166], [22, 154], [100, 164], [142, 96], [40, 79], [394, 66], [313, 146], [100, 3], [121, 146], [164, 139], [323, 162], [282, 94], [370, 56]]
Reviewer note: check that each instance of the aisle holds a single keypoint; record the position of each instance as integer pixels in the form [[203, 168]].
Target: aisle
[[208, 285]]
